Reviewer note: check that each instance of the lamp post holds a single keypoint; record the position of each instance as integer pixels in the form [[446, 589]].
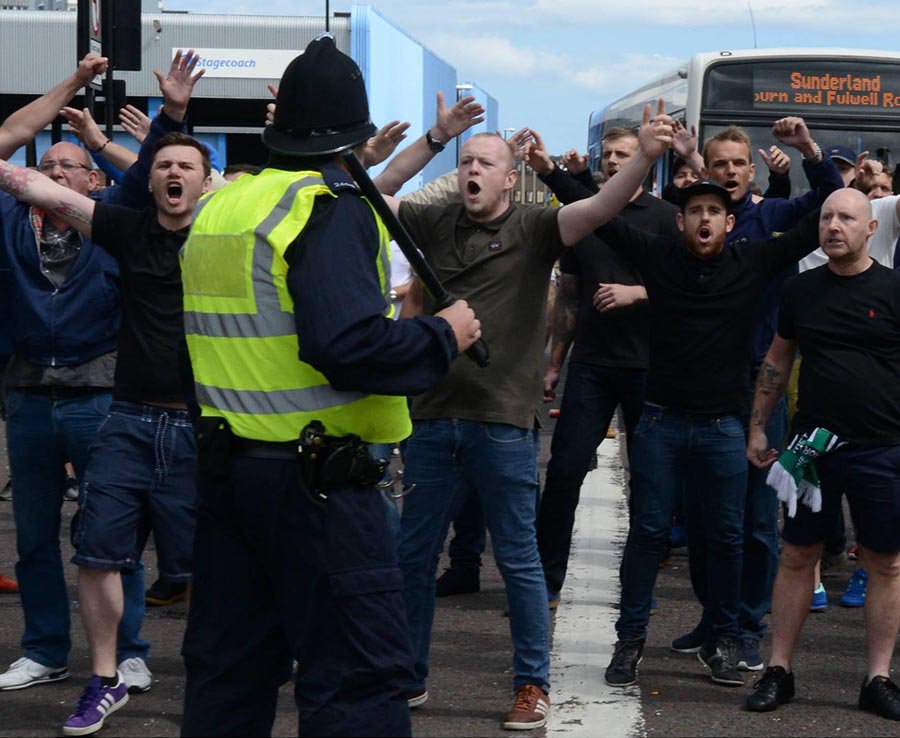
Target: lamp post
[[507, 131], [327, 16], [463, 87]]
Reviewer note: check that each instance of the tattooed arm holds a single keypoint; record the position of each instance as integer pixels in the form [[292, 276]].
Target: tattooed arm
[[770, 386], [36, 189], [565, 310]]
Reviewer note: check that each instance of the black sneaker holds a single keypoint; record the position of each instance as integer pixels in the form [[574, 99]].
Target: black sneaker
[[163, 593], [458, 580], [721, 660], [882, 697], [774, 688], [622, 669], [689, 642]]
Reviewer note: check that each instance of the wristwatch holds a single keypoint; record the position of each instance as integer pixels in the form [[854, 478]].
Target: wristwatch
[[436, 146], [817, 154]]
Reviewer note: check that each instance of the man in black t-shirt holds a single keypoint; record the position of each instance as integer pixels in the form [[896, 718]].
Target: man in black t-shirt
[[142, 472], [844, 318], [601, 306], [703, 297]]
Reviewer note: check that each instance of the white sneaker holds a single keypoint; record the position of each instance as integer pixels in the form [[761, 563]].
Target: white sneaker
[[136, 675], [26, 673]]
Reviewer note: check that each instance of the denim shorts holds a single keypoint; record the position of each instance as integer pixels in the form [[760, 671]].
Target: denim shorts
[[870, 477], [142, 476]]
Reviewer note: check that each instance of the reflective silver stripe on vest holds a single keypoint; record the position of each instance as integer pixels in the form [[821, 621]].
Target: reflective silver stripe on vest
[[275, 402], [269, 321]]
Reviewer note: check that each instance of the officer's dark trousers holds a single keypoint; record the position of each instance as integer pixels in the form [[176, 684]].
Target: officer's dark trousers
[[276, 576]]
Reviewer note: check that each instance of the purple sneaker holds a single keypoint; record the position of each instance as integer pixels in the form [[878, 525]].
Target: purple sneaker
[[95, 705]]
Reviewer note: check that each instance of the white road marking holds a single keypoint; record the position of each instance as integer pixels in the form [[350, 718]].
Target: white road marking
[[583, 704]]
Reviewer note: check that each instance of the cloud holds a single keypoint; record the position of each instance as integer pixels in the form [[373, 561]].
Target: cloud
[[488, 54], [819, 14]]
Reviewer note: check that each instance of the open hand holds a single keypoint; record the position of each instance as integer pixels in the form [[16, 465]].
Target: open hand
[[178, 86], [383, 143], [450, 122], [85, 127], [656, 131], [684, 141], [135, 122], [517, 142]]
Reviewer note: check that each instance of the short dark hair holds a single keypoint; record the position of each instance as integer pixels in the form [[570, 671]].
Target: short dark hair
[[241, 169], [182, 139]]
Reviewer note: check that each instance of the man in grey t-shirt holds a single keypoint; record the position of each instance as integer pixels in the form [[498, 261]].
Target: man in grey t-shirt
[[477, 427]]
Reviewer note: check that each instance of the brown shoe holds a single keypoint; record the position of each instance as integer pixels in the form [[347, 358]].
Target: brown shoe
[[610, 432], [530, 711]]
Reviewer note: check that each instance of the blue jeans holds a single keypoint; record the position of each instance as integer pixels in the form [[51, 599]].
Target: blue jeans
[[44, 433], [384, 451], [591, 397], [142, 476], [704, 457], [760, 542], [499, 462]]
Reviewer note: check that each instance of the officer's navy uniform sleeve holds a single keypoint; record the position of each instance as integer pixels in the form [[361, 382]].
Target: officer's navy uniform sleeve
[[339, 307], [824, 178]]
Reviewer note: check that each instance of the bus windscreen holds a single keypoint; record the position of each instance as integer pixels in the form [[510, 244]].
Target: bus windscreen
[[805, 86]]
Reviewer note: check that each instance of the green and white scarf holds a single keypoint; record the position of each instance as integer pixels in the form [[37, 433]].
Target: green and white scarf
[[794, 476]]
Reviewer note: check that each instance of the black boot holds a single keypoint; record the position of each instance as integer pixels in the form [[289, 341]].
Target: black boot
[[458, 580]]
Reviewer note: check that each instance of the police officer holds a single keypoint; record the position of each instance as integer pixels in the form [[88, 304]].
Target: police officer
[[297, 368]]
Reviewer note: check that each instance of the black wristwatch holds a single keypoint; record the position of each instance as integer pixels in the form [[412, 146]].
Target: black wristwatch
[[436, 146]]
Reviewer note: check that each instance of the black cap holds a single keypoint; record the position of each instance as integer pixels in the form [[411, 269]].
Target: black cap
[[704, 187], [843, 153], [322, 106]]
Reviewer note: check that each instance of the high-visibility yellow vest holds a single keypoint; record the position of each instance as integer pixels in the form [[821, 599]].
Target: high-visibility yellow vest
[[239, 317]]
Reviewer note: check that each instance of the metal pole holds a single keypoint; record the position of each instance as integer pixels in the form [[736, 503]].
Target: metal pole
[[327, 15]]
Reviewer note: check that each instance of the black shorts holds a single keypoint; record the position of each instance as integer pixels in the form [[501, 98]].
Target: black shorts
[[870, 477]]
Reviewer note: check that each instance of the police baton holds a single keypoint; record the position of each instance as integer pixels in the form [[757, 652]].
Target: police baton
[[478, 351]]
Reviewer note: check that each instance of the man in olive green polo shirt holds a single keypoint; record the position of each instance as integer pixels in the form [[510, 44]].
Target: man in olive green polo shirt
[[477, 427]]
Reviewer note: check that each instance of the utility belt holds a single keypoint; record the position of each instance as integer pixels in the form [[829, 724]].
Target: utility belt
[[325, 462]]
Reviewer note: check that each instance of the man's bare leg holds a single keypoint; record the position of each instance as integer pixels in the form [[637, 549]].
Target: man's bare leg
[[102, 603], [791, 599], [882, 610]]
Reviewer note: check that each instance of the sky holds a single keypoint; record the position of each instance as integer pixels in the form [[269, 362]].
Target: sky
[[550, 63]]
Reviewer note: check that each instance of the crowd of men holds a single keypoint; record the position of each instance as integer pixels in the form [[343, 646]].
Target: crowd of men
[[170, 339]]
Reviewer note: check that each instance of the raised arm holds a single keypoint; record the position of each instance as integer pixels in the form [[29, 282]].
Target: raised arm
[[25, 124], [685, 145], [771, 384], [36, 189], [581, 218], [96, 142], [449, 123]]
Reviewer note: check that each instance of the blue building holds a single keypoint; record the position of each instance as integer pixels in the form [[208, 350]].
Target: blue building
[[242, 55]]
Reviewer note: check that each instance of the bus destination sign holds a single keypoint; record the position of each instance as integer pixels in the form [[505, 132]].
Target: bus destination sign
[[784, 88]]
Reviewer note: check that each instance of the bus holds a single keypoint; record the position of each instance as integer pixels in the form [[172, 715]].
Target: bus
[[848, 98]]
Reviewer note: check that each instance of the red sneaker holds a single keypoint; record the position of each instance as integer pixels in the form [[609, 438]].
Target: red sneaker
[[8, 586]]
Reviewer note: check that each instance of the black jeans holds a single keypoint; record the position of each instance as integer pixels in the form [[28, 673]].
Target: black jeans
[[277, 576], [591, 397]]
